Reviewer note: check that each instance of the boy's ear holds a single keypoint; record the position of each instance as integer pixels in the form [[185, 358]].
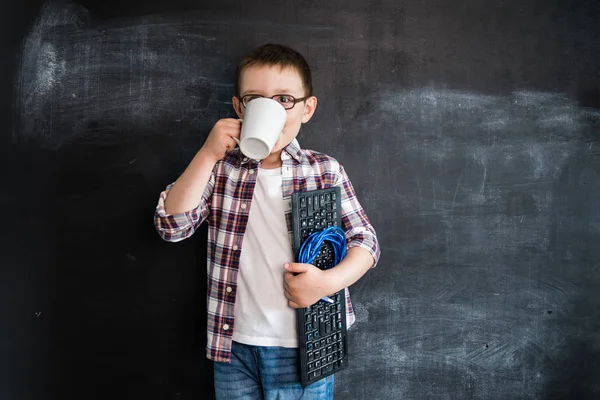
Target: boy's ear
[[237, 106], [310, 105]]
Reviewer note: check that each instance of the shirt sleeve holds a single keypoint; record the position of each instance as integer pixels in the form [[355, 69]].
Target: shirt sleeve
[[356, 224], [176, 227]]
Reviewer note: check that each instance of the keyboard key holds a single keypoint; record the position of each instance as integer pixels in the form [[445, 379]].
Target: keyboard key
[[327, 369]]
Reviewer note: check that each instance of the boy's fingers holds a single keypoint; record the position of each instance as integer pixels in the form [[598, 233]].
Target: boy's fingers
[[293, 304], [287, 276], [288, 295]]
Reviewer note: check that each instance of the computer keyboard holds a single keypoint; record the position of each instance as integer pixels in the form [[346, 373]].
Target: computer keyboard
[[322, 330]]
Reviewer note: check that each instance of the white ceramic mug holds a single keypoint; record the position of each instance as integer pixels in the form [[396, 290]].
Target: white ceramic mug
[[263, 122]]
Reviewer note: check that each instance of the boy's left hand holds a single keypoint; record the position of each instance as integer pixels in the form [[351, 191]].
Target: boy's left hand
[[304, 284]]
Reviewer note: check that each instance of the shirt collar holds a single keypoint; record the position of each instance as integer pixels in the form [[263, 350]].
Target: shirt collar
[[294, 150]]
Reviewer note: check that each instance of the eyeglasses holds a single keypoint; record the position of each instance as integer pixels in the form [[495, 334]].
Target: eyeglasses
[[287, 101]]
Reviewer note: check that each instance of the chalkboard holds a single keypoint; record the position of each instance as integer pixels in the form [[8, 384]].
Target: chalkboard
[[471, 132]]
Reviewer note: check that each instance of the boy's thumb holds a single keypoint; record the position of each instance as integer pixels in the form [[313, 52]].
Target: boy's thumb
[[295, 267]]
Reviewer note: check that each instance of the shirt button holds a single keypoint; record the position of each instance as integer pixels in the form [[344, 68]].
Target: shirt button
[[245, 158], [251, 172], [229, 289], [235, 247], [225, 327], [243, 206]]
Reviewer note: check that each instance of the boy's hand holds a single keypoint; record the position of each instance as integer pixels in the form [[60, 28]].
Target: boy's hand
[[304, 284], [220, 139]]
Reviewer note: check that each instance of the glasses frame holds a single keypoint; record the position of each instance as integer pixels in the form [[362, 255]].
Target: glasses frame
[[296, 100]]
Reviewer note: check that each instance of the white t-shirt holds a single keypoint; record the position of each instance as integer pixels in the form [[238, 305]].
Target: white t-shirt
[[262, 314]]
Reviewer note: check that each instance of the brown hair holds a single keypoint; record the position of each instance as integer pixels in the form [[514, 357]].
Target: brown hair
[[276, 55]]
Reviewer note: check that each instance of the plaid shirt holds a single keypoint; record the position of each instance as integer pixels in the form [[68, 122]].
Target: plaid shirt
[[226, 204]]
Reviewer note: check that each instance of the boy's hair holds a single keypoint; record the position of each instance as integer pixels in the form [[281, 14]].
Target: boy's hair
[[276, 55]]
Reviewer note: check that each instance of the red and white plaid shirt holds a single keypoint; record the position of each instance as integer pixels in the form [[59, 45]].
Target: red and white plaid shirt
[[226, 204]]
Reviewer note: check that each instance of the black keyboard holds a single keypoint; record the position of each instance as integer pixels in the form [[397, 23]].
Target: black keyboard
[[322, 331]]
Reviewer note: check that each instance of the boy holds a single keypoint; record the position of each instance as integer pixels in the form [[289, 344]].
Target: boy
[[253, 284]]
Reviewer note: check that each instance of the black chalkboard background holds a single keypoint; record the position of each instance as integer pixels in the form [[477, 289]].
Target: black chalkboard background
[[471, 131]]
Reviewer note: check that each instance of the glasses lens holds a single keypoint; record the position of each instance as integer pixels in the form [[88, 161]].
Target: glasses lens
[[248, 98], [285, 100]]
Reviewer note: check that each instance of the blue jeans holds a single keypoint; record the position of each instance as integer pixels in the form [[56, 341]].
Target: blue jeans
[[269, 373]]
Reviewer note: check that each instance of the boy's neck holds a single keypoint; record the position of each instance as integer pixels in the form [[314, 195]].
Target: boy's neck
[[273, 160]]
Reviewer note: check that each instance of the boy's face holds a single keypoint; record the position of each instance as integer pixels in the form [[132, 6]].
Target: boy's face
[[267, 81]]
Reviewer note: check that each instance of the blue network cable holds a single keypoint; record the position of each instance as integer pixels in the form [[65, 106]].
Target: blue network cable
[[309, 250]]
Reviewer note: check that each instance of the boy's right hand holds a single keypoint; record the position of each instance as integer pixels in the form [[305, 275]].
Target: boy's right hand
[[220, 139]]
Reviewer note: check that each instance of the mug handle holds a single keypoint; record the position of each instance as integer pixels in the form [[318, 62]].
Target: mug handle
[[236, 139]]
